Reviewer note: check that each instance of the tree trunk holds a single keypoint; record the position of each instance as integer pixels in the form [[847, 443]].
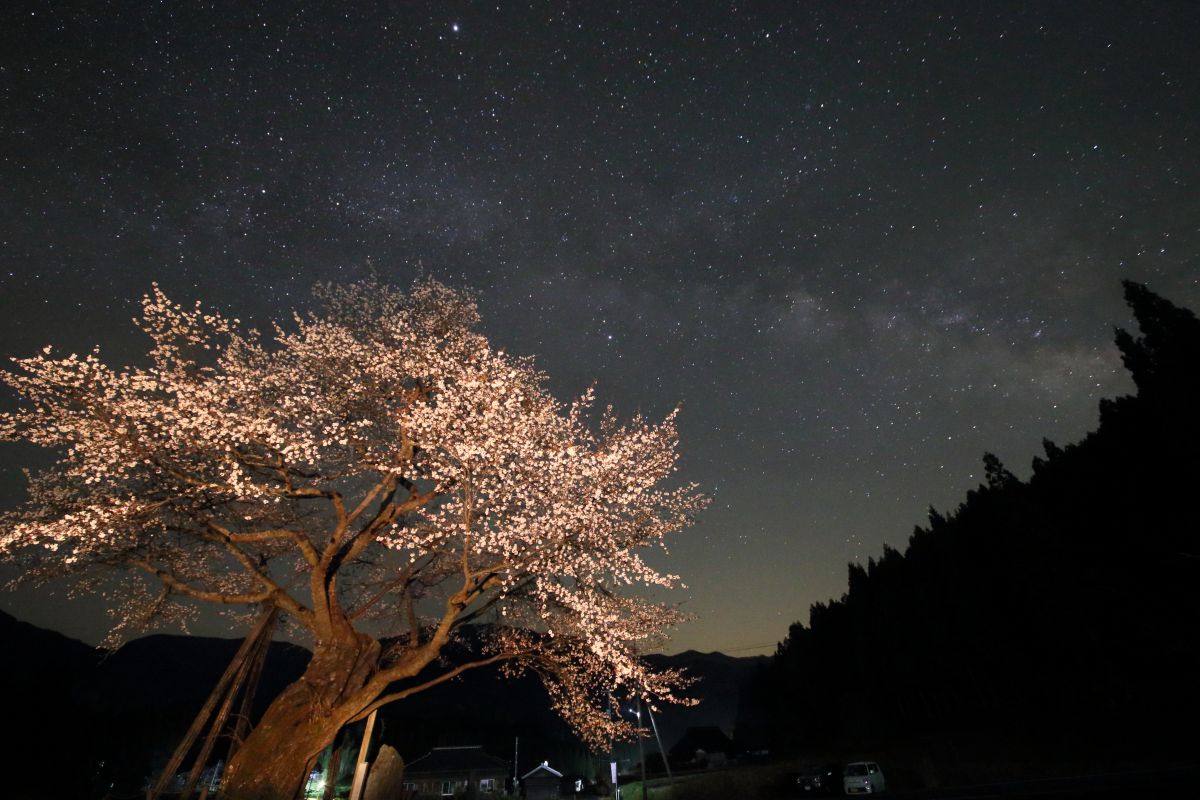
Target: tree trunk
[[272, 762]]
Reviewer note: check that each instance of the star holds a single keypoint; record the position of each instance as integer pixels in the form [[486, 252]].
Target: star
[[830, 288]]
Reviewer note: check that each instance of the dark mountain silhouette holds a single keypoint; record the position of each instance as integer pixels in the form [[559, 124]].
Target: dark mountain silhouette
[[721, 679], [151, 688], [93, 721], [44, 673], [1054, 614]]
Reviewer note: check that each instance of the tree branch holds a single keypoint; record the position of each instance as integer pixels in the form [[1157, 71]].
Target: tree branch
[[284, 600], [480, 610], [454, 673], [176, 585], [406, 577], [387, 514], [306, 548], [384, 487]]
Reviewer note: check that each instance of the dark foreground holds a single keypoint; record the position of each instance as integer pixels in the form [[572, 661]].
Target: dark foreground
[[1133, 783], [1183, 782]]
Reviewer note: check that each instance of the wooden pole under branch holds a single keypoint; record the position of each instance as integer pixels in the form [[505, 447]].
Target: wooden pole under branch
[[360, 767], [222, 695]]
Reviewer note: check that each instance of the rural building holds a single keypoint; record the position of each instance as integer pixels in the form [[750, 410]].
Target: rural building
[[541, 783], [456, 772]]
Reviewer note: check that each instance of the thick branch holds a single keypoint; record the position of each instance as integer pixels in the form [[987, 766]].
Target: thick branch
[[388, 512], [301, 541], [284, 600], [427, 652], [454, 673]]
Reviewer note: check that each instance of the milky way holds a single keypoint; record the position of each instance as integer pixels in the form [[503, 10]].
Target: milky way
[[861, 243]]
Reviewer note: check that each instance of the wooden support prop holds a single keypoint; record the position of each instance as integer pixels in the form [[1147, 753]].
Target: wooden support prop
[[241, 725], [214, 731], [223, 693], [360, 767], [250, 666]]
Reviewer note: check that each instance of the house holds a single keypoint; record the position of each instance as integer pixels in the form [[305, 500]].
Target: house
[[705, 746], [456, 772], [541, 783]]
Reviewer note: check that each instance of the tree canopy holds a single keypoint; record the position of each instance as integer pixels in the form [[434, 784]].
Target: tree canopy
[[374, 463]]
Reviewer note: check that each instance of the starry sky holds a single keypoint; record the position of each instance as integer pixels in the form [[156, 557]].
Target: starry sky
[[862, 243]]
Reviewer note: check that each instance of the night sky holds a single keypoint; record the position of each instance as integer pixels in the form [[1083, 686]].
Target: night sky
[[862, 243]]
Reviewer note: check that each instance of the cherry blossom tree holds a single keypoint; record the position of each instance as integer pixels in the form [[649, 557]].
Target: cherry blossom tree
[[381, 474]]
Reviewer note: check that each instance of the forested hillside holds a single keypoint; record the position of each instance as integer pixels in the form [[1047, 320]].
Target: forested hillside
[[1062, 609]]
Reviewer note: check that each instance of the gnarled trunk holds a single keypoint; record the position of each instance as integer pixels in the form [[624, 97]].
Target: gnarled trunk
[[272, 762]]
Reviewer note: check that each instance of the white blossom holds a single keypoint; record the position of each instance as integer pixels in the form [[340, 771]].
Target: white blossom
[[381, 441]]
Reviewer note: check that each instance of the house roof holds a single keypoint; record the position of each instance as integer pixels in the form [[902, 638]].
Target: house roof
[[543, 767], [453, 759]]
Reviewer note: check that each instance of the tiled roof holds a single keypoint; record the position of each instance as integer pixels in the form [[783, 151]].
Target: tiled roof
[[542, 767], [453, 759]]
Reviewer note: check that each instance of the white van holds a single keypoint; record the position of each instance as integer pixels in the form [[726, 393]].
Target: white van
[[863, 777]]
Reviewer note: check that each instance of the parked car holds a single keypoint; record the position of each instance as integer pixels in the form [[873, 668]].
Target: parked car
[[863, 777], [818, 779]]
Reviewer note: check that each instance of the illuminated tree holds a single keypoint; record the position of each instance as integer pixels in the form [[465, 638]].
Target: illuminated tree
[[375, 468]]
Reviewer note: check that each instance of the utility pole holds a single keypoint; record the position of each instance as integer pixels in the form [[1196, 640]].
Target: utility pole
[[641, 748], [657, 738], [516, 750], [612, 751]]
